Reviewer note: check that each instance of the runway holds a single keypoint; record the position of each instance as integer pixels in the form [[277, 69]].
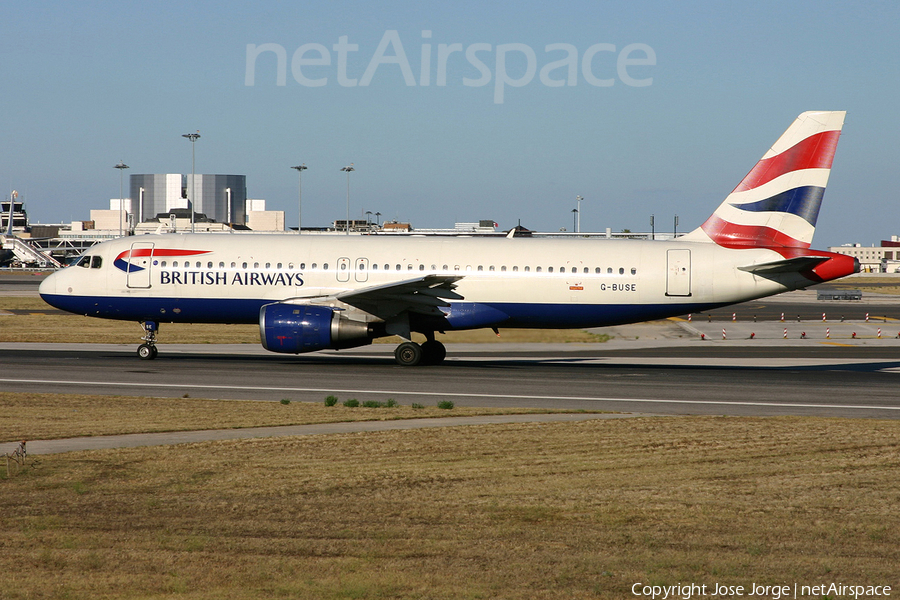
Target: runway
[[682, 377], [800, 366]]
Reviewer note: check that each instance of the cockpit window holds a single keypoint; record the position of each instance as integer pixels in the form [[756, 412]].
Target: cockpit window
[[96, 262], [83, 261]]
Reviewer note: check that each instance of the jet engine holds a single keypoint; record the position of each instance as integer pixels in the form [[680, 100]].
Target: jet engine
[[295, 328]]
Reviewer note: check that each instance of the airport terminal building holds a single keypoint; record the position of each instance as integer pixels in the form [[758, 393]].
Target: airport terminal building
[[222, 198]]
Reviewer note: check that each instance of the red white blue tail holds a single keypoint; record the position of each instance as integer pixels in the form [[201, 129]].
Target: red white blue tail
[[776, 205]]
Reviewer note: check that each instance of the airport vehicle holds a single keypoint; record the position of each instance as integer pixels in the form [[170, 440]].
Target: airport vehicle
[[314, 292]]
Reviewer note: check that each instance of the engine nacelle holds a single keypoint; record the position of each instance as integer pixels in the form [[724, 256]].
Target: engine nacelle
[[295, 328]]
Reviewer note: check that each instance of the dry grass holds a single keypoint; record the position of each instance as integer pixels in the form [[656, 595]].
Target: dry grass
[[52, 416], [569, 511], [79, 329]]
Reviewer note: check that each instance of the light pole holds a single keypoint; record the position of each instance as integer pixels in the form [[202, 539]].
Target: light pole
[[300, 169], [121, 167], [675, 230], [377, 219], [193, 137], [578, 222], [349, 170], [652, 227], [575, 219]]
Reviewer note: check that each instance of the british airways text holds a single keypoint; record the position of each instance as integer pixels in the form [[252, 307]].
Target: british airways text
[[227, 278]]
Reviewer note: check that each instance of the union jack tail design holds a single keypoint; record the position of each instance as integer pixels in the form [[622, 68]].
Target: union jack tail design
[[776, 205]]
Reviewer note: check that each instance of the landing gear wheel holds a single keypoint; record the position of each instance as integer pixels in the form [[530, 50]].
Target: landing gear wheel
[[147, 351], [433, 352], [408, 354]]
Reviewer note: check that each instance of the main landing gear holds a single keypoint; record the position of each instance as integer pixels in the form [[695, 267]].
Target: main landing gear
[[410, 354], [147, 350]]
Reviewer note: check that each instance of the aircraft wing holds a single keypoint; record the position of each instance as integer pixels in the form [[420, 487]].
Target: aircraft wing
[[789, 265], [422, 295]]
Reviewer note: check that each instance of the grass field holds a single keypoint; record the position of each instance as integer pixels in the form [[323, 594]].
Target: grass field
[[569, 511], [53, 416]]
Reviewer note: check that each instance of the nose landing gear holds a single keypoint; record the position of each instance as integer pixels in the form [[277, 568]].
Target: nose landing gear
[[147, 350]]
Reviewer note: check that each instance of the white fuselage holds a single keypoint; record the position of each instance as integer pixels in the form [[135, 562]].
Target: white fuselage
[[534, 282]]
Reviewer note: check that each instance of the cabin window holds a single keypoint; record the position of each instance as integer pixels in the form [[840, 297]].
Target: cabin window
[[434, 267], [343, 266], [312, 267], [621, 270], [174, 263], [291, 266], [456, 267], [209, 265], [491, 268], [480, 268], [256, 265], [197, 264], [409, 267], [503, 269], [233, 264], [163, 263], [268, 265], [609, 270], [549, 269], [398, 267], [421, 267], [598, 270], [515, 268], [586, 270], [221, 265], [374, 266], [324, 266], [527, 269], [445, 268], [537, 269], [244, 265], [96, 262], [633, 271]]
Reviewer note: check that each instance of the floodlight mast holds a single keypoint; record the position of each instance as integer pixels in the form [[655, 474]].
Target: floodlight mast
[[193, 137], [349, 169], [300, 169], [121, 167]]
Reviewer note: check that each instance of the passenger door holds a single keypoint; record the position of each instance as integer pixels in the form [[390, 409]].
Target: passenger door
[[678, 274], [140, 261]]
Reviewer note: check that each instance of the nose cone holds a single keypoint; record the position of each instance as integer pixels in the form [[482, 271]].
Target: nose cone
[[47, 288]]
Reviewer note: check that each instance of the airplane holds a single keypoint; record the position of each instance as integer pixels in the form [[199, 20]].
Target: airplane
[[316, 292]]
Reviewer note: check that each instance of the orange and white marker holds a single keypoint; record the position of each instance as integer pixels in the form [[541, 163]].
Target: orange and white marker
[[724, 337], [785, 333], [828, 333]]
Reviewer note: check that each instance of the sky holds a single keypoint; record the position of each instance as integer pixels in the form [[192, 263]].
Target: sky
[[450, 112]]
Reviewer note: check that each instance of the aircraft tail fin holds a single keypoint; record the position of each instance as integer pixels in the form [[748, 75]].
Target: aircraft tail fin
[[777, 203]]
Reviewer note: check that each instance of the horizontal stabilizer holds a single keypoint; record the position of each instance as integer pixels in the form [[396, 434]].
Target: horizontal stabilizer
[[789, 265]]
